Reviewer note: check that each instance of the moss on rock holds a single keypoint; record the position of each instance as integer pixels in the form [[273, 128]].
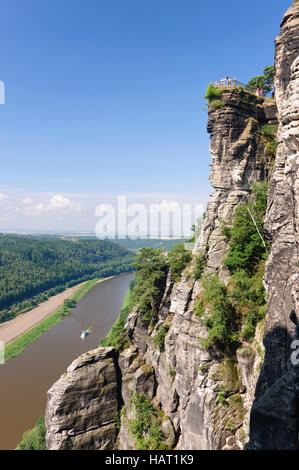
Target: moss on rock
[[226, 373]]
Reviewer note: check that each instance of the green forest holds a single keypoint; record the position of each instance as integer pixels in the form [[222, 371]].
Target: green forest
[[32, 269], [138, 243]]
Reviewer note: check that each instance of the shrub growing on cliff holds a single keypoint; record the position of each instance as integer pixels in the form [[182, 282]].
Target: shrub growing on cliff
[[178, 258], [150, 278], [34, 439], [246, 261], [218, 315], [197, 228], [248, 296], [145, 426], [117, 337], [199, 265], [269, 136], [269, 131], [232, 313], [218, 104], [246, 246], [212, 93], [159, 338], [221, 395], [199, 307], [271, 149]]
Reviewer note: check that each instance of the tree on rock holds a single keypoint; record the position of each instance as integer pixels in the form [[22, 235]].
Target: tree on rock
[[265, 81]]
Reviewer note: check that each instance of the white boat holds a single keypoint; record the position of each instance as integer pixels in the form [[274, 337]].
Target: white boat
[[85, 333]]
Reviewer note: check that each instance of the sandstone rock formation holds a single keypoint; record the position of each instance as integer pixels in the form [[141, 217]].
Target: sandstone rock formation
[[274, 430], [83, 403], [274, 416], [282, 221], [238, 160], [203, 396]]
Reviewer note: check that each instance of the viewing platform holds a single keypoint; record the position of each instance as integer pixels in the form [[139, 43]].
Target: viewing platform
[[229, 82]]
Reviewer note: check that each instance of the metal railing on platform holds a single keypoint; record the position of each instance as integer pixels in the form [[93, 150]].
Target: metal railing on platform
[[228, 82]]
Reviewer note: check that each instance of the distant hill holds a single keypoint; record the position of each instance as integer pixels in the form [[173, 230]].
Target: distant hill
[[32, 268], [135, 245]]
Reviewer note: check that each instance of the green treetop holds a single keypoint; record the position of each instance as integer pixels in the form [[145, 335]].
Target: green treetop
[[265, 81]]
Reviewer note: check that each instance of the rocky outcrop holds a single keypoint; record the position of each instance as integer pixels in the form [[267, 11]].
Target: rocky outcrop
[[274, 416], [239, 158], [282, 273], [83, 403], [203, 398], [282, 221], [206, 396]]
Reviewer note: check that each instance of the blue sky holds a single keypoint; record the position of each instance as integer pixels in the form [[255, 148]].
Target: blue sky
[[105, 97]]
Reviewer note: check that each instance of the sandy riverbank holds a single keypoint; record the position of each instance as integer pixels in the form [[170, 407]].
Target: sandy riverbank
[[14, 328]]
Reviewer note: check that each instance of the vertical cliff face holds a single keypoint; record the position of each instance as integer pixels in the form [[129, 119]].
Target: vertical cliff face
[[239, 159], [282, 221], [189, 378], [274, 417]]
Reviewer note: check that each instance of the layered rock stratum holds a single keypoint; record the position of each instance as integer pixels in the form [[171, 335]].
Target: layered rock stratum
[[83, 403]]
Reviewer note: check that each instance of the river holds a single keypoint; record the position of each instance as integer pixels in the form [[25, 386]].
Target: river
[[25, 379]]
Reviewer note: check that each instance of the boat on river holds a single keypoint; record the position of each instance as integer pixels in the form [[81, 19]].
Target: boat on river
[[85, 333]]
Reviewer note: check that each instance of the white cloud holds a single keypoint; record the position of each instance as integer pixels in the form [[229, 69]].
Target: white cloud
[[27, 201], [57, 204], [61, 203], [51, 211], [34, 210], [3, 196]]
